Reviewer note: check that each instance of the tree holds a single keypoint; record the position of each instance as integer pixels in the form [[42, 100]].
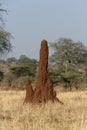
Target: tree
[[67, 57], [5, 37], [22, 71], [11, 60], [72, 79], [26, 61], [68, 53], [24, 66], [5, 44], [23, 59]]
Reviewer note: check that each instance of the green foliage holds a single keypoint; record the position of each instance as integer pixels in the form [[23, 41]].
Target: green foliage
[[11, 60], [2, 61], [24, 66], [25, 61], [67, 58], [55, 74], [66, 51], [72, 76], [16, 71], [5, 44], [71, 79], [22, 71]]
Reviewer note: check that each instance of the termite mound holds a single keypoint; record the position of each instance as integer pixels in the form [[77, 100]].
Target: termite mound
[[44, 91]]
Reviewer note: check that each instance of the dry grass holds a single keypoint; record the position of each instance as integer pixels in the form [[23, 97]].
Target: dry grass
[[70, 116]]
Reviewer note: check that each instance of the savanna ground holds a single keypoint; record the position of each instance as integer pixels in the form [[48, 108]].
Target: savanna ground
[[70, 116]]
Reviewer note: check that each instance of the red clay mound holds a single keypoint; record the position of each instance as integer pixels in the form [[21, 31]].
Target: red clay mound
[[44, 88], [29, 92]]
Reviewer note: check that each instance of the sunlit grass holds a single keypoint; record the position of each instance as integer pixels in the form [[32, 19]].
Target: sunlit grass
[[70, 116]]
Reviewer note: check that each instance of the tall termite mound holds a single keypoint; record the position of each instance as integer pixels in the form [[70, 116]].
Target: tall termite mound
[[44, 87]]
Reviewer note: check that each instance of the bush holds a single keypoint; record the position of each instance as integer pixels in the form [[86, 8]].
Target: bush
[[71, 79], [22, 71]]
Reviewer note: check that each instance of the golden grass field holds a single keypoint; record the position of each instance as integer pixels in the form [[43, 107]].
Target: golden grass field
[[70, 116]]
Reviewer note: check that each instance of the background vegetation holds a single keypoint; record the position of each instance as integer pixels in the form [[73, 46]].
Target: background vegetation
[[67, 64], [67, 67]]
